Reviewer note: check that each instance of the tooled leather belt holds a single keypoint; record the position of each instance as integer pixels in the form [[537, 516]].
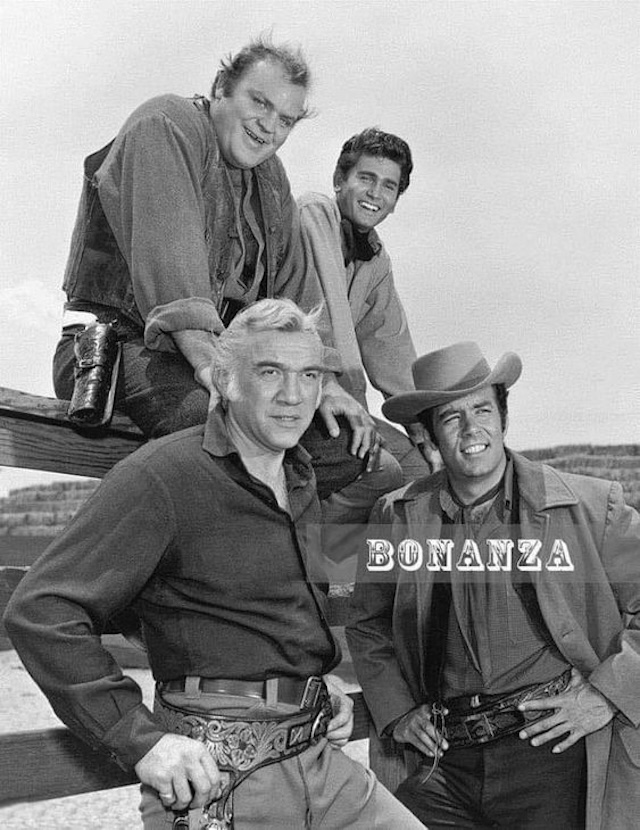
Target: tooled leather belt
[[468, 725], [241, 746]]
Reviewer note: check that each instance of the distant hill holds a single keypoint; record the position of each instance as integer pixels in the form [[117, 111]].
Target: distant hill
[[618, 462], [31, 516]]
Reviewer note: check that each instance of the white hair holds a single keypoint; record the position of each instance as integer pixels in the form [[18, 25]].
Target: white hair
[[264, 315]]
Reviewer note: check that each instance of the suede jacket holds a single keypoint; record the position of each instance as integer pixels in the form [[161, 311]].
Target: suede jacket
[[592, 614]]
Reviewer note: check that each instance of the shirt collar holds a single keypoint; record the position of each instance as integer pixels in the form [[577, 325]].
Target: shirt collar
[[505, 488], [216, 442]]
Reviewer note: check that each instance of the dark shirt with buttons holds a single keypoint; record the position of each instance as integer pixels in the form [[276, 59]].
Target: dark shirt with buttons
[[218, 573]]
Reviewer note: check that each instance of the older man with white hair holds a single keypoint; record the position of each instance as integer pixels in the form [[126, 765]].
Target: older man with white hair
[[203, 534]]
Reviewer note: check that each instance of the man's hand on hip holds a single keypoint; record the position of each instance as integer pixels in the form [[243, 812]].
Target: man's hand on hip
[[366, 439], [341, 724], [417, 728], [579, 710], [182, 771]]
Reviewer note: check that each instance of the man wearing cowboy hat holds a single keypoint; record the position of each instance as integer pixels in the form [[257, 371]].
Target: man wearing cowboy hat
[[496, 630]]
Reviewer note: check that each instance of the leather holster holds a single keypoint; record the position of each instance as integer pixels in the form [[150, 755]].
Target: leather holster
[[97, 354]]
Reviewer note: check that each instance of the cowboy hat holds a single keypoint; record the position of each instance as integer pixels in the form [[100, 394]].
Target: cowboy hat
[[447, 374]]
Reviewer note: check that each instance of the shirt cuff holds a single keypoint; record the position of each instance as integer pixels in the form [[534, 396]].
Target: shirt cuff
[[195, 313], [617, 695], [132, 737], [388, 729]]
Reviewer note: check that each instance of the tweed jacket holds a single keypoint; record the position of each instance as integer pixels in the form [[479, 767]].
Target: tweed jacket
[[592, 613]]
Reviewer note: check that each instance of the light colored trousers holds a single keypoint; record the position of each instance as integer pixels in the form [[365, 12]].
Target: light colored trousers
[[320, 789]]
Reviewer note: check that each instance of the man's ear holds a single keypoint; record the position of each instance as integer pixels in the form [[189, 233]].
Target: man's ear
[[223, 382], [337, 181], [217, 92]]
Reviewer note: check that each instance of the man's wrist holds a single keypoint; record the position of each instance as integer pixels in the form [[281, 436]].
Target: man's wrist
[[390, 727]]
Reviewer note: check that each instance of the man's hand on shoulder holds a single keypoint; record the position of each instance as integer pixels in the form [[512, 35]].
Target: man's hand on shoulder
[[341, 724], [578, 711], [417, 728], [182, 771], [336, 401]]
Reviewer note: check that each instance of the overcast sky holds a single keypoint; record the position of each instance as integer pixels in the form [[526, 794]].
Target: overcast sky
[[519, 229]]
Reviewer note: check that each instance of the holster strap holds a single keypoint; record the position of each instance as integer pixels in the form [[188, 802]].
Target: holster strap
[[242, 745]]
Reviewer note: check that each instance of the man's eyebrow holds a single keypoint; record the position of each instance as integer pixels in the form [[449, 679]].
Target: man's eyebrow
[[448, 410], [311, 367], [272, 106], [390, 179]]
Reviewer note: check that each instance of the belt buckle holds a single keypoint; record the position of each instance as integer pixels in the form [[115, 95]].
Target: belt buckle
[[481, 731], [311, 693]]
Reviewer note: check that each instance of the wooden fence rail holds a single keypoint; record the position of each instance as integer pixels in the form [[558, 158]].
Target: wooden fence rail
[[35, 434]]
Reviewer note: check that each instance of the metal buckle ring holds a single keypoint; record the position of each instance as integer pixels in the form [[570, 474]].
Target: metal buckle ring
[[311, 693]]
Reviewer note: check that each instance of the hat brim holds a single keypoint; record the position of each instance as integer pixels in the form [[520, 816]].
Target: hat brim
[[404, 408]]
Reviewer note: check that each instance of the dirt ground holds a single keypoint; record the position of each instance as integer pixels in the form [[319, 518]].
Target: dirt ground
[[23, 707]]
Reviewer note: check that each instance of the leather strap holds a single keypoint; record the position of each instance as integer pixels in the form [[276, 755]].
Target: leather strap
[[239, 747], [294, 691]]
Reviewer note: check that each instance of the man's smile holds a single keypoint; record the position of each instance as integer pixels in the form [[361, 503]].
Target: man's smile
[[253, 136], [369, 206], [474, 449]]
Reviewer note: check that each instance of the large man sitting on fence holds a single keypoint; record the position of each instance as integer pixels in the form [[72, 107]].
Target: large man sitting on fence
[[186, 217], [202, 533]]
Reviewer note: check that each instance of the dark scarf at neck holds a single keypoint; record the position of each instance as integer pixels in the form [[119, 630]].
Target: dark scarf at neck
[[356, 244]]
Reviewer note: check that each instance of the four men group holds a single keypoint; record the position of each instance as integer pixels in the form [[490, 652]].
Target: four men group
[[495, 692]]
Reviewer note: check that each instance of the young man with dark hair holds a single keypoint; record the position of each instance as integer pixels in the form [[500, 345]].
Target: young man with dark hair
[[342, 248]]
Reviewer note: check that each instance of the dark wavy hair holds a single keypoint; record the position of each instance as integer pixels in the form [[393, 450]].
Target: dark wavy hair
[[375, 142], [502, 393], [262, 48]]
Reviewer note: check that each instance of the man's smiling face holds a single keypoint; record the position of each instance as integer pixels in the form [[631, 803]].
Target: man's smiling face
[[369, 192], [471, 442], [255, 119]]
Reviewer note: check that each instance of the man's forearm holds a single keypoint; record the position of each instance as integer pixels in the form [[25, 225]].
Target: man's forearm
[[197, 347]]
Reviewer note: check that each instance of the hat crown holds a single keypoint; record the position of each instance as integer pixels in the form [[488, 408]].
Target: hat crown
[[447, 374], [457, 367]]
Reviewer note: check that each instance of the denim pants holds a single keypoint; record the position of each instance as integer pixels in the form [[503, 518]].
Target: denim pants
[[320, 789]]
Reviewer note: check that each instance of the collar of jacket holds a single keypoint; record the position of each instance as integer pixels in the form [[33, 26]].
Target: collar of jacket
[[539, 485]]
